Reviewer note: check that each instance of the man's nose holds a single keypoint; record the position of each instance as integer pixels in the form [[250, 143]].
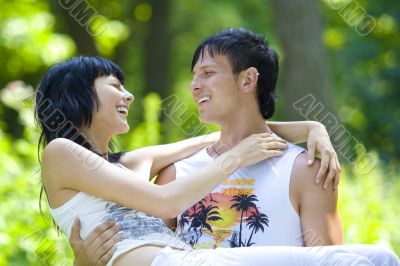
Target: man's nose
[[195, 84]]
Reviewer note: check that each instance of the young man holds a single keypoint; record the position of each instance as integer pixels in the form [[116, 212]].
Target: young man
[[275, 202]]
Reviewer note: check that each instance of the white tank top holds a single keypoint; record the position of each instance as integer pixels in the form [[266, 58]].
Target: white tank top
[[137, 227], [252, 206]]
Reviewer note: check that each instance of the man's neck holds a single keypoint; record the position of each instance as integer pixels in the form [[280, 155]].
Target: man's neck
[[237, 129]]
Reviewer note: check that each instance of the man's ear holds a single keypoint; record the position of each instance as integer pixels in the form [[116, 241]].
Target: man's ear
[[248, 79]]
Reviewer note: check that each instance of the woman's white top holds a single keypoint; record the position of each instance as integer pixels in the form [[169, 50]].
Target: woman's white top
[[137, 228]]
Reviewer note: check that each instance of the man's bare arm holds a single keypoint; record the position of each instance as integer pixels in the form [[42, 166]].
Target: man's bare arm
[[165, 176], [320, 221]]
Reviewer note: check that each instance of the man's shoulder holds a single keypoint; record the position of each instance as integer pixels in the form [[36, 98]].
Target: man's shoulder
[[304, 175], [302, 172], [166, 175], [317, 206], [300, 165], [293, 148], [290, 155]]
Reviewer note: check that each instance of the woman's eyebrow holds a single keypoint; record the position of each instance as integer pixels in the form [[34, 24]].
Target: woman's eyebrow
[[114, 79]]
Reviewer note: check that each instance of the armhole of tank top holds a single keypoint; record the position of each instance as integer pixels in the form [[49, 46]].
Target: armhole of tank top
[[289, 171], [203, 153], [176, 165]]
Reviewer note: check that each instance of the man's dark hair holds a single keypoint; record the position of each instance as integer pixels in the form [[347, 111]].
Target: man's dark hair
[[245, 49]]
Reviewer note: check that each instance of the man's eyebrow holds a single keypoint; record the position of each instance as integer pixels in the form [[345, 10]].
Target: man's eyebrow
[[203, 67]]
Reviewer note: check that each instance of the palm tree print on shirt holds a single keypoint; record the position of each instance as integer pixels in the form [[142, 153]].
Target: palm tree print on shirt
[[256, 221], [201, 218], [201, 215], [243, 203]]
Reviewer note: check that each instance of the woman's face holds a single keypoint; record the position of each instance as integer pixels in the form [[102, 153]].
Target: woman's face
[[112, 113]]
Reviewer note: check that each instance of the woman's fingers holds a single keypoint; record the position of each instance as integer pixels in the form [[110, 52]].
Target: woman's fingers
[[331, 168], [274, 145], [337, 177], [273, 153], [258, 147], [323, 167], [331, 174], [311, 146]]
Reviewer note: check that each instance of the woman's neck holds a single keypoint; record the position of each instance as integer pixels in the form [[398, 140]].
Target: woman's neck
[[98, 141]]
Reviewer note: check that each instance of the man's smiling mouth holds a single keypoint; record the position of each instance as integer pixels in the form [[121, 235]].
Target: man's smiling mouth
[[203, 99]]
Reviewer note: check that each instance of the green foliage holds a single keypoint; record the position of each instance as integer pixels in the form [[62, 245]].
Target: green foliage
[[35, 34], [368, 204], [25, 237], [366, 73]]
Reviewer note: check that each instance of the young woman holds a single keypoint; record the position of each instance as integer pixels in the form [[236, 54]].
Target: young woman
[[81, 104]]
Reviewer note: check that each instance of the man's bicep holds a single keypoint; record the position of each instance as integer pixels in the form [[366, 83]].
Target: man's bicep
[[166, 175], [320, 221]]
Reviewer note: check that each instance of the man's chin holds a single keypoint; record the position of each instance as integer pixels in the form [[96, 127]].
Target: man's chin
[[206, 120]]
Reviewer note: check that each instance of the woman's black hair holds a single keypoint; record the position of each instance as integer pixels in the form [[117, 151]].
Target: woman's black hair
[[66, 101]]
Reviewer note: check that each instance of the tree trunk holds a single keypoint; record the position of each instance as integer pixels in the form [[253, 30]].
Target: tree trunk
[[75, 18], [157, 47], [305, 63]]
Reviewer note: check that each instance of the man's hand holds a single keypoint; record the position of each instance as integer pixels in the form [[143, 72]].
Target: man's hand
[[98, 247], [318, 141]]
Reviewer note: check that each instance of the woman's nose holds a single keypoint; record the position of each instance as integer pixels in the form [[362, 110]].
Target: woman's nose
[[129, 96]]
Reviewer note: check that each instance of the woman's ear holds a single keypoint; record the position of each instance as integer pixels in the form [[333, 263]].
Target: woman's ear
[[249, 78]]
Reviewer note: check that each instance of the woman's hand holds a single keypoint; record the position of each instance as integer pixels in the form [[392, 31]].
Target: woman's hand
[[318, 141], [258, 147]]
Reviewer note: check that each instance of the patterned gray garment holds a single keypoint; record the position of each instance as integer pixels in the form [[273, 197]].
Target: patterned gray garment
[[136, 224]]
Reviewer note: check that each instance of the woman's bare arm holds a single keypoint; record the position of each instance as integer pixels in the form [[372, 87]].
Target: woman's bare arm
[[67, 165], [295, 132], [150, 160]]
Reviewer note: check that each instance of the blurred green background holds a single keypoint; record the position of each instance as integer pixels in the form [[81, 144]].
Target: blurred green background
[[344, 53]]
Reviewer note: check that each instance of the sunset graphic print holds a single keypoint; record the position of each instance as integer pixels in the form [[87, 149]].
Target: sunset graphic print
[[227, 217]]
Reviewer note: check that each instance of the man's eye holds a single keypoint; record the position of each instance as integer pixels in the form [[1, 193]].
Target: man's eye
[[208, 73]]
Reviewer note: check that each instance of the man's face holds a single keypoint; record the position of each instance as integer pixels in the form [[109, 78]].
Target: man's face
[[214, 88]]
